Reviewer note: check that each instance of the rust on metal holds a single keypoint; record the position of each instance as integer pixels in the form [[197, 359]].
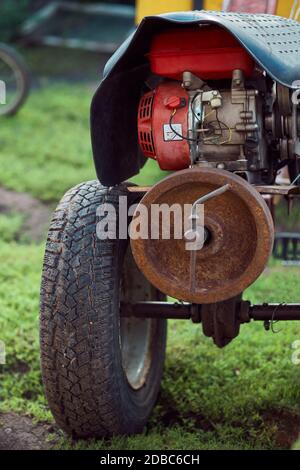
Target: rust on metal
[[240, 243], [279, 190], [138, 189], [220, 321], [273, 190]]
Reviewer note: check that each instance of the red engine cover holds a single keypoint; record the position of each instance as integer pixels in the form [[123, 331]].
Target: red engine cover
[[209, 52], [156, 138]]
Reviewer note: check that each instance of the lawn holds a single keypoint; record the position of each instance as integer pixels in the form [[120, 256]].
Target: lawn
[[46, 148], [246, 396]]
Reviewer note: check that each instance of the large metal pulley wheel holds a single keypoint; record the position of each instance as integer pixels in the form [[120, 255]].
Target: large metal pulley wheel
[[239, 237]]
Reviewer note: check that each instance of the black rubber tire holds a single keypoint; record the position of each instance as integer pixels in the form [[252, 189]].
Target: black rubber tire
[[85, 383], [11, 57]]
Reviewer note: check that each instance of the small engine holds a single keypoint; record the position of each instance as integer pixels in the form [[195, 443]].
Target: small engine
[[213, 106]]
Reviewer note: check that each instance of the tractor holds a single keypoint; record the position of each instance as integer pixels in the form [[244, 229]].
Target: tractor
[[213, 98]]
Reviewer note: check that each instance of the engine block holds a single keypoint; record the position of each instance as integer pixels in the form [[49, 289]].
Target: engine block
[[226, 126]]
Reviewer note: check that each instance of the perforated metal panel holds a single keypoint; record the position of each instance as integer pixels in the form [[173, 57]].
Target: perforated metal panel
[[145, 135], [281, 35]]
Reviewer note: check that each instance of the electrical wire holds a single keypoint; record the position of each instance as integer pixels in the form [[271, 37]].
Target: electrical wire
[[220, 124], [189, 139], [192, 106], [205, 139], [229, 137]]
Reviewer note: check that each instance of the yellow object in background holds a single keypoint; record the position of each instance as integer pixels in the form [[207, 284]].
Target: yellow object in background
[[150, 7], [284, 7], [215, 5]]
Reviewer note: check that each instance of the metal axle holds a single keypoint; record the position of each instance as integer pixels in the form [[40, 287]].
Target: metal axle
[[187, 311]]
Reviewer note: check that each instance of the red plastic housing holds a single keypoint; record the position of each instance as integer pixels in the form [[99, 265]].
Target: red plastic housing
[[209, 52], [156, 138]]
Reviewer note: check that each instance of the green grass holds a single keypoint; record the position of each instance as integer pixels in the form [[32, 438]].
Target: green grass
[[10, 226], [73, 65], [20, 388], [46, 148], [288, 222], [210, 399]]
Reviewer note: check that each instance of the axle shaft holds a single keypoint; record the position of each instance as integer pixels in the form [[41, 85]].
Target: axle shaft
[[188, 311]]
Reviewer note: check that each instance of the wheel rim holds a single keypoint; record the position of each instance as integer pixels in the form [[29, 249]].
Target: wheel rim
[[135, 336]]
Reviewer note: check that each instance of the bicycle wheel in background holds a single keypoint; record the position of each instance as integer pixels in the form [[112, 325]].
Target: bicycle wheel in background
[[14, 73]]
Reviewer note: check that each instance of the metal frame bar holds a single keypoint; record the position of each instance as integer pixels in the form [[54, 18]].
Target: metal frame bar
[[289, 191], [186, 311], [73, 43], [120, 10], [275, 312], [47, 12], [198, 4]]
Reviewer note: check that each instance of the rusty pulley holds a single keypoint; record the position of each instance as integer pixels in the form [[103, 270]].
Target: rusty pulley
[[238, 233]]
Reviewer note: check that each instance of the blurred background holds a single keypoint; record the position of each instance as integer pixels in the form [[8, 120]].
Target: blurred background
[[51, 58], [96, 27]]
